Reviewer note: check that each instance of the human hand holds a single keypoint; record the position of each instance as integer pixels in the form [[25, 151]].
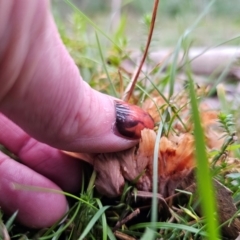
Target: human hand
[[43, 93]]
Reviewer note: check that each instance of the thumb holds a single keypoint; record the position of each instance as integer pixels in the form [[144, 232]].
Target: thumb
[[48, 98]]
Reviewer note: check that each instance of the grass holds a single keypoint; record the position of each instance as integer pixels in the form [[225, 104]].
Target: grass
[[203, 172], [92, 46]]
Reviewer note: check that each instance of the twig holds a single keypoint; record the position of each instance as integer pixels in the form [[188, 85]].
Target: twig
[[135, 78], [130, 84], [144, 194], [126, 219], [123, 236]]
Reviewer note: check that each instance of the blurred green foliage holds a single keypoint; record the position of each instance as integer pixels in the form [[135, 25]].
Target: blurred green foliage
[[169, 8], [174, 16]]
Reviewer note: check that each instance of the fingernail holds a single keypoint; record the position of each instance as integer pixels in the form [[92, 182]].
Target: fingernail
[[131, 120]]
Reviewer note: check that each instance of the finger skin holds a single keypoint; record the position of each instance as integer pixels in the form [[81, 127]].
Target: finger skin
[[43, 92], [36, 209], [65, 171]]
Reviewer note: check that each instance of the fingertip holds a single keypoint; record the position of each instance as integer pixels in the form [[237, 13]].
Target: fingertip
[[38, 200], [43, 211], [131, 120], [63, 170], [107, 124]]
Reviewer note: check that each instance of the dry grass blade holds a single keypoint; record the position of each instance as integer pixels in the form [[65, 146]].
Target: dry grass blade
[[133, 82], [87, 157], [120, 84]]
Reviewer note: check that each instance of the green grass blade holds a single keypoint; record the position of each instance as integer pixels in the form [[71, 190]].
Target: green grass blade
[[110, 234], [170, 226], [179, 45], [58, 233], [221, 93], [174, 67], [92, 222], [92, 23], [113, 90], [154, 209], [42, 189], [204, 180], [149, 234], [11, 220], [91, 183], [210, 48], [222, 76], [104, 221], [48, 234]]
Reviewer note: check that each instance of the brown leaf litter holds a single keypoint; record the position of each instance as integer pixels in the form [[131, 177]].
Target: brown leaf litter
[[176, 161]]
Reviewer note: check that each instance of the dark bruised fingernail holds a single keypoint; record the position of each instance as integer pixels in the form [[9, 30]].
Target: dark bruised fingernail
[[131, 120]]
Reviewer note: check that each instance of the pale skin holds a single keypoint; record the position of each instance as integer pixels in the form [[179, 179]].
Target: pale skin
[[45, 106]]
